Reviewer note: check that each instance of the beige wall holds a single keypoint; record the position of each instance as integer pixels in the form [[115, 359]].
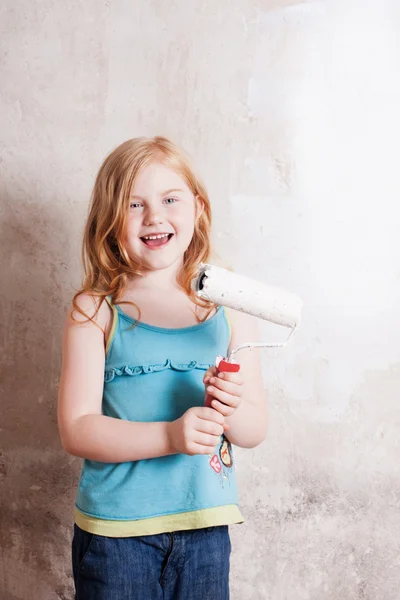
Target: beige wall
[[291, 112]]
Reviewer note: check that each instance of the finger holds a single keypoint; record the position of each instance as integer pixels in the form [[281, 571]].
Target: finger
[[225, 397], [199, 449], [210, 427], [211, 372], [204, 439], [233, 377], [208, 414], [230, 387], [223, 409]]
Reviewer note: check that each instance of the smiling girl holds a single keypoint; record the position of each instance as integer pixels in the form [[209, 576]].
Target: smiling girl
[[157, 490]]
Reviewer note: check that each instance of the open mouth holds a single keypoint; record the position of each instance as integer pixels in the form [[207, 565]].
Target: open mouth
[[156, 241]]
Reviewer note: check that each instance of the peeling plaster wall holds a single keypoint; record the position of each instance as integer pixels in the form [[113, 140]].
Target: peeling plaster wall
[[291, 112]]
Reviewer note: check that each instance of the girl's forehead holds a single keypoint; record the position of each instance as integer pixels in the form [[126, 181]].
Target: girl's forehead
[[157, 177]]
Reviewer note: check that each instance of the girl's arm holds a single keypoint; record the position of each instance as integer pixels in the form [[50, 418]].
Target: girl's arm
[[87, 433], [84, 430], [248, 425]]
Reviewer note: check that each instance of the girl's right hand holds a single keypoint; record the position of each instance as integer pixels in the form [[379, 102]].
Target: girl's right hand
[[198, 431]]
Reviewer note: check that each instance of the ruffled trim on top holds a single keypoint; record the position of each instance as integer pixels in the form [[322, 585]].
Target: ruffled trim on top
[[132, 371]]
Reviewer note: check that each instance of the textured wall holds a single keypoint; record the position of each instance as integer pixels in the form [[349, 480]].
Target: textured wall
[[290, 110]]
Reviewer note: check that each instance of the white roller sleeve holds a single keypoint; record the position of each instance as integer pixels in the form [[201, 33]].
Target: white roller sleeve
[[267, 302]]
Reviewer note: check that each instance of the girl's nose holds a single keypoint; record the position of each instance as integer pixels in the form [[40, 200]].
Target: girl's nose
[[153, 217]]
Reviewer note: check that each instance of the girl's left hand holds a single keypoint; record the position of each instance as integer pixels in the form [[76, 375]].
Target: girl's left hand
[[226, 388]]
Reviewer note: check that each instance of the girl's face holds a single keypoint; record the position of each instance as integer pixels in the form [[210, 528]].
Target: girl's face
[[162, 205]]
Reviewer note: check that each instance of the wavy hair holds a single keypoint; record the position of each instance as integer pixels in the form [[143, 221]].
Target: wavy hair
[[107, 264]]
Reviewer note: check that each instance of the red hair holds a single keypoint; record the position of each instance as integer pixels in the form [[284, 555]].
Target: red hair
[[107, 264]]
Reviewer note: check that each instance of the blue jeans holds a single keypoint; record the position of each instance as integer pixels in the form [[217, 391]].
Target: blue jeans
[[185, 565]]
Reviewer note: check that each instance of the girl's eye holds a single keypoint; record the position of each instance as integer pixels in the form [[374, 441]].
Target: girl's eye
[[133, 204]]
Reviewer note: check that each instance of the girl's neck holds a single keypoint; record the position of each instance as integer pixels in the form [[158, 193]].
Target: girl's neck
[[161, 280], [162, 303]]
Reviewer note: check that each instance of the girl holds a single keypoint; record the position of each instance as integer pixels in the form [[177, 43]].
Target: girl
[[157, 489]]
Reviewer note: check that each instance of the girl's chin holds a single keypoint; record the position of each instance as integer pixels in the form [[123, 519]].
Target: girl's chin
[[158, 260]]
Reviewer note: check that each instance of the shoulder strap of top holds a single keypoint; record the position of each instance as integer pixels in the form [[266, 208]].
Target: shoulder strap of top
[[228, 322], [114, 322]]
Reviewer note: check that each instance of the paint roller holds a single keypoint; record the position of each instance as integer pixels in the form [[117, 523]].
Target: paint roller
[[267, 302]]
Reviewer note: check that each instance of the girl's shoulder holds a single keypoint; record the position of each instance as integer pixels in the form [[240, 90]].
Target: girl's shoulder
[[90, 310], [241, 321]]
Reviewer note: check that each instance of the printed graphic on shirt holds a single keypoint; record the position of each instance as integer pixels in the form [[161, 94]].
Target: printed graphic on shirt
[[222, 464], [215, 464], [225, 453]]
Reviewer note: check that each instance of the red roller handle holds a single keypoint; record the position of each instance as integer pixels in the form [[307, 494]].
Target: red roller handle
[[223, 367]]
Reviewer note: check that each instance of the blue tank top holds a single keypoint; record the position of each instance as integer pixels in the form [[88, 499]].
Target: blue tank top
[[156, 374]]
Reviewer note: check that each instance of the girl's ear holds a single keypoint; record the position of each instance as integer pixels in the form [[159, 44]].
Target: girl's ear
[[199, 206]]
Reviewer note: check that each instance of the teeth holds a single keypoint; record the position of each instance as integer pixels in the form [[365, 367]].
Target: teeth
[[155, 237]]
